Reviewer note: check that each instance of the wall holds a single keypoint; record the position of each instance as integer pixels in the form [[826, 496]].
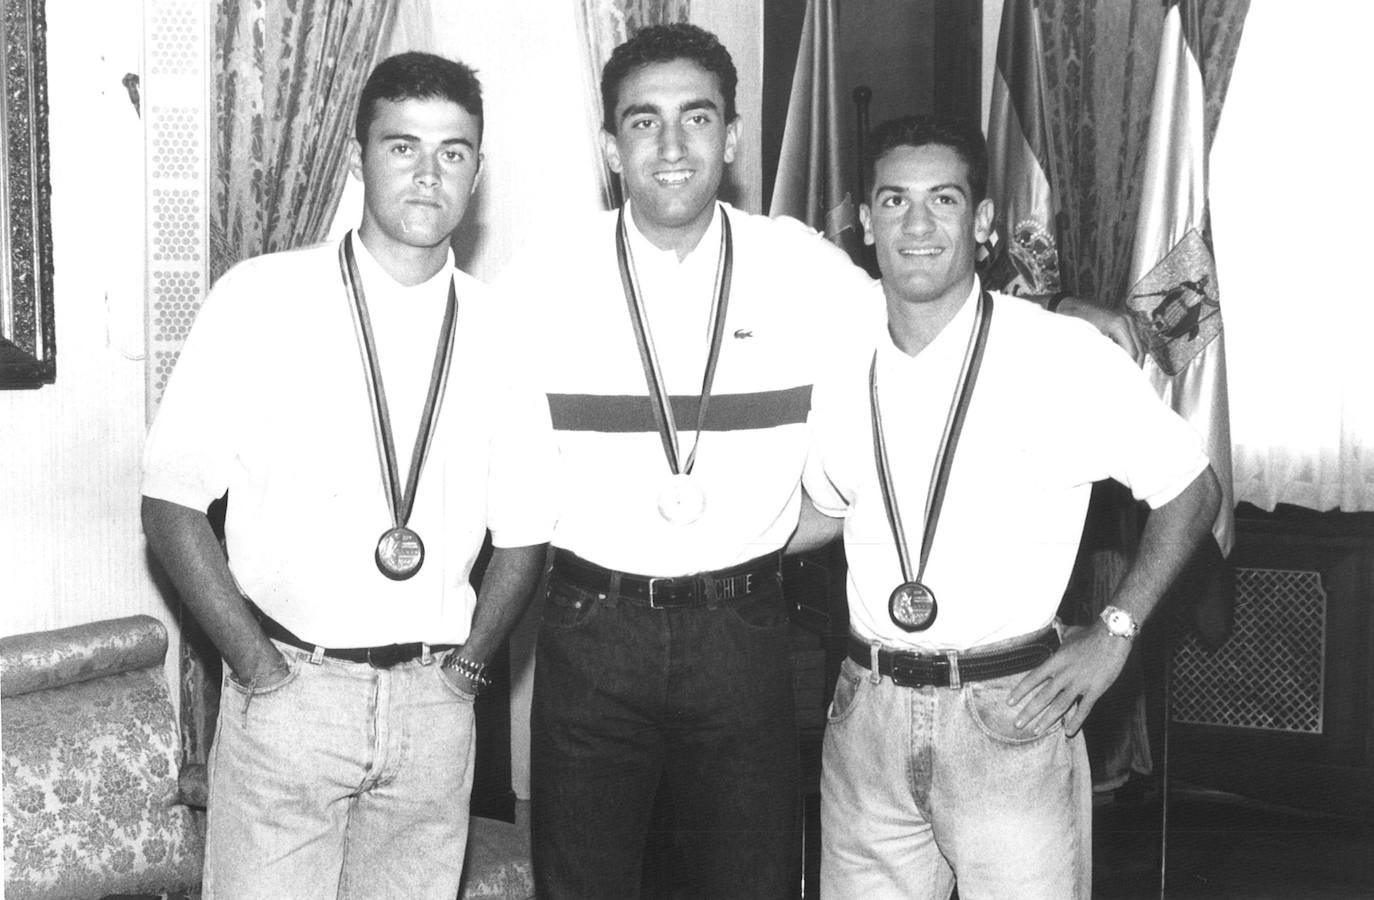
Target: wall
[[71, 547]]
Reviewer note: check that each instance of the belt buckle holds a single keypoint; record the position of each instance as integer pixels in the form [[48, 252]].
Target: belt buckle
[[906, 669], [385, 657], [653, 601], [671, 600]]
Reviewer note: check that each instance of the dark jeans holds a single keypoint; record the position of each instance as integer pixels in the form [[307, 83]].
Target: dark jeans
[[700, 698]]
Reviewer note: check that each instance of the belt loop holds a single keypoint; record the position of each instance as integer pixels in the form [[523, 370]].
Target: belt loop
[[426, 657], [953, 657], [613, 590], [874, 675], [708, 581], [317, 655]]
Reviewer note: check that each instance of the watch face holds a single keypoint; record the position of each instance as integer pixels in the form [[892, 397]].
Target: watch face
[[1119, 622]]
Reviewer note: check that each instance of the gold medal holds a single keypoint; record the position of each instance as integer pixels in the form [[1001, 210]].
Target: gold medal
[[681, 500], [912, 606], [400, 553]]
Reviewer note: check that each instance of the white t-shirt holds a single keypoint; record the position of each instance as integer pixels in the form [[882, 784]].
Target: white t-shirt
[[791, 300], [269, 401], [1056, 407]]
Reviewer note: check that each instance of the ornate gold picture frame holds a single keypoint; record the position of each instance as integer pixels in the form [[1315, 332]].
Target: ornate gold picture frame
[[27, 349]]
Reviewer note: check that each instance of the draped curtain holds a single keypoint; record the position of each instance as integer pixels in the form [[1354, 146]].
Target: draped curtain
[[1099, 83], [812, 183], [1099, 66], [287, 80]]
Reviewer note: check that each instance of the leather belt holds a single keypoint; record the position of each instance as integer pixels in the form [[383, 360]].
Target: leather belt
[[724, 585], [381, 657], [908, 668]]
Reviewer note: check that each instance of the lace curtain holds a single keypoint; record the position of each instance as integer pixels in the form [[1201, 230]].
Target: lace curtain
[[1301, 373]]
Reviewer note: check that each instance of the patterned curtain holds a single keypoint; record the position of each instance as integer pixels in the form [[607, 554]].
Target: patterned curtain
[[287, 78], [1099, 81], [605, 24]]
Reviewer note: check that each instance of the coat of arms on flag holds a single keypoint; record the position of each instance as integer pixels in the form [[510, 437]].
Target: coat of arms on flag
[[1176, 305]]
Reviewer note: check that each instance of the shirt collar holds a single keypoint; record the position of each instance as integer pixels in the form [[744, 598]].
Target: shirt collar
[[379, 279], [642, 249], [951, 341]]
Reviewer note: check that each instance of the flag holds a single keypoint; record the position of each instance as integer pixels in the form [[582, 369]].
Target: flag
[[810, 184], [1174, 296], [1024, 258]]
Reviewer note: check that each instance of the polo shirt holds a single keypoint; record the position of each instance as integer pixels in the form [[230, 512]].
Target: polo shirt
[[792, 299], [269, 402], [1056, 407]]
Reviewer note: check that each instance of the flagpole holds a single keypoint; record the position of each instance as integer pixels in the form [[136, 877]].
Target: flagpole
[[862, 95]]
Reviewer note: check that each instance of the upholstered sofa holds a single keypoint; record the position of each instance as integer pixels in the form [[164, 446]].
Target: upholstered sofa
[[89, 745]]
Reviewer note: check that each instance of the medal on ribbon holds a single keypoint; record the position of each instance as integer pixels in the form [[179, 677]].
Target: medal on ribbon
[[400, 553], [912, 604], [681, 499]]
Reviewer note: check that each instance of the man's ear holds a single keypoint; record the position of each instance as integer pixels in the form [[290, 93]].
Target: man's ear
[[866, 220], [477, 176], [611, 151], [355, 158], [731, 139], [982, 221]]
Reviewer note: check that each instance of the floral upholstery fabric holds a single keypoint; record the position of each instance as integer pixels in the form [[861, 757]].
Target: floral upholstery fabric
[[89, 751], [498, 863]]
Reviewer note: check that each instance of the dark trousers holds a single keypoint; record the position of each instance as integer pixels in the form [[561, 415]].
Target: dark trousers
[[701, 699]]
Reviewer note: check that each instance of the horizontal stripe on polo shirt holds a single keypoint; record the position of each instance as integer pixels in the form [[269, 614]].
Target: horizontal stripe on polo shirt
[[622, 414]]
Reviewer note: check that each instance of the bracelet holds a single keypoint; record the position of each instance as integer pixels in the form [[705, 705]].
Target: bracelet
[[475, 671], [1053, 304]]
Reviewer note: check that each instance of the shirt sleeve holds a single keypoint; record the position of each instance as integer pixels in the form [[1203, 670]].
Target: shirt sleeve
[[822, 432], [191, 447], [1144, 444]]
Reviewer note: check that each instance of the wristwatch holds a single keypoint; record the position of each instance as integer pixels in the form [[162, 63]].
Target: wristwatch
[[1119, 622]]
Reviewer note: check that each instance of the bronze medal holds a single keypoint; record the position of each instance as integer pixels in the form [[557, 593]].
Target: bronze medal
[[912, 607], [400, 553]]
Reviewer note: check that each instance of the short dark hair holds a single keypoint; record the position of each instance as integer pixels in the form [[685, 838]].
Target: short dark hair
[[665, 43], [419, 76], [961, 136]]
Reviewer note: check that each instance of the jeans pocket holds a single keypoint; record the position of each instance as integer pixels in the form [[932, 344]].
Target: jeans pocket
[[986, 703], [764, 609], [848, 689], [442, 673], [569, 606], [259, 690]]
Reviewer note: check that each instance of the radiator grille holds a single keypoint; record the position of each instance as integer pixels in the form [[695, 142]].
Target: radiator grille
[[1269, 674]]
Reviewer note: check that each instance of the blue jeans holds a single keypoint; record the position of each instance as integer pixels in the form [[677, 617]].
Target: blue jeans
[[340, 780], [921, 787], [700, 698]]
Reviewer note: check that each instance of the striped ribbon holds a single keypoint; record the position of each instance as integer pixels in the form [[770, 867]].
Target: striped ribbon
[[399, 503], [659, 398], [944, 457]]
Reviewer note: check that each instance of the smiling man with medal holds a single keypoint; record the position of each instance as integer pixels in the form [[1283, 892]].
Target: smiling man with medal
[[354, 643], [677, 338], [976, 423]]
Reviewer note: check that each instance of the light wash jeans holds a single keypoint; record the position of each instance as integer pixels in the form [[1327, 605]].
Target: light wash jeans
[[921, 787], [340, 781]]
